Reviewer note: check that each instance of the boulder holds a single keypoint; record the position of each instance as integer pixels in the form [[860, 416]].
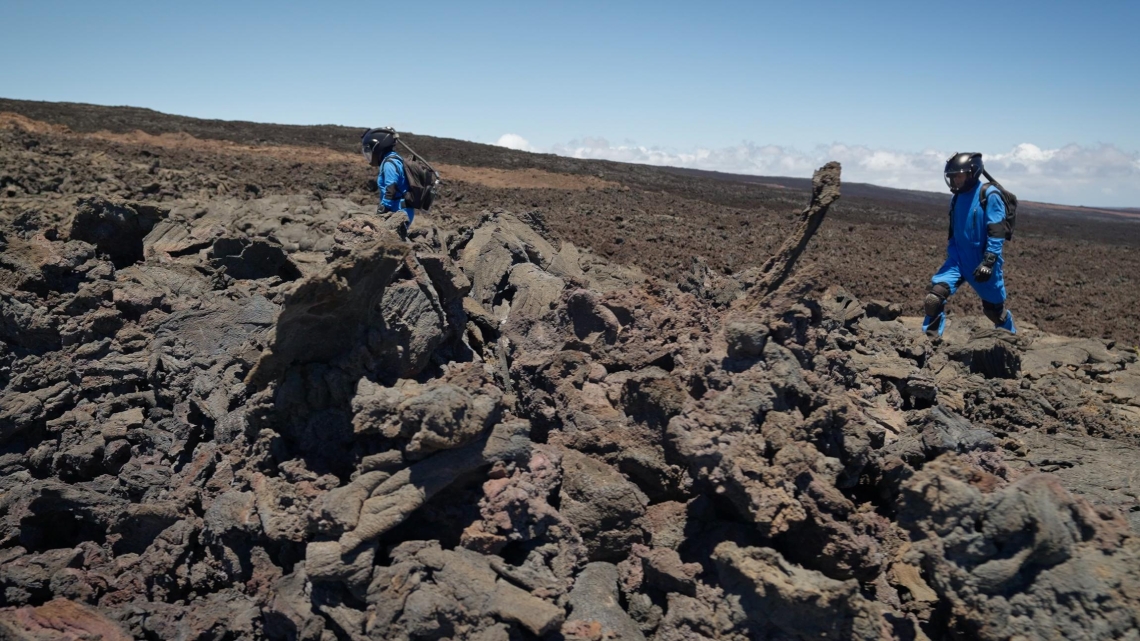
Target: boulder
[[59, 619], [244, 258], [595, 600], [116, 228], [602, 505], [463, 590], [1027, 559], [784, 600], [325, 315]]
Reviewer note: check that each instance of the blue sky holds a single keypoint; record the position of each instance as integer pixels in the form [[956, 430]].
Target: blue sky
[[1049, 91]]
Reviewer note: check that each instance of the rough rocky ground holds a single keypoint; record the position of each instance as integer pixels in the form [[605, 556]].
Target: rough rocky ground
[[1074, 275], [229, 414]]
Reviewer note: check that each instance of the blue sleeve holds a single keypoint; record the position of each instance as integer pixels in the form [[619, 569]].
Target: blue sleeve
[[995, 214], [389, 175]]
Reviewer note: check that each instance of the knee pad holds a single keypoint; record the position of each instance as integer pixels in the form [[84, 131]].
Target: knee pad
[[935, 299], [994, 311], [933, 305]]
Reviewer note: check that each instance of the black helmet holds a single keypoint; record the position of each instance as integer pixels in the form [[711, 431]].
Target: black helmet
[[376, 140], [969, 164]]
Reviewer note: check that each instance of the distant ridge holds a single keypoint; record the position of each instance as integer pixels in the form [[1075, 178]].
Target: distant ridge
[[84, 117]]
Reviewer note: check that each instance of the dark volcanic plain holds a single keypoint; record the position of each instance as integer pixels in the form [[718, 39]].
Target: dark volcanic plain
[[578, 401], [1071, 271]]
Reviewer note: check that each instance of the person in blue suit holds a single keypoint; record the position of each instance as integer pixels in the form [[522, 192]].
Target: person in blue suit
[[974, 249], [379, 147]]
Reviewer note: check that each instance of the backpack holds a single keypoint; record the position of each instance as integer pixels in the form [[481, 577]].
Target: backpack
[[422, 178], [996, 230], [1004, 228]]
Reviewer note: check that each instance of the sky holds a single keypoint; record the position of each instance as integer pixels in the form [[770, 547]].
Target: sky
[[1048, 91]]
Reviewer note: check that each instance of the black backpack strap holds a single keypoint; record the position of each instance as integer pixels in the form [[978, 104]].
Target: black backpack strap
[[950, 217], [984, 198]]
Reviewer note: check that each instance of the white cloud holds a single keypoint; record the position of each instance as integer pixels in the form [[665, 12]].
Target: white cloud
[[1074, 174], [515, 141]]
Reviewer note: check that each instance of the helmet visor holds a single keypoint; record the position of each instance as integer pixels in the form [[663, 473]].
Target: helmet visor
[[367, 146], [956, 180]]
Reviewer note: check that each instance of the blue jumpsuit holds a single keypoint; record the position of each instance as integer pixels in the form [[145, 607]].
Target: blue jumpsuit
[[970, 241], [393, 185]]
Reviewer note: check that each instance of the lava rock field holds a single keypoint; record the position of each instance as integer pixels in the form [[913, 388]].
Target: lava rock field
[[236, 403]]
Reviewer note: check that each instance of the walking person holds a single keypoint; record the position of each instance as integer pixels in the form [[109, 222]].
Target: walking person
[[979, 228], [379, 147]]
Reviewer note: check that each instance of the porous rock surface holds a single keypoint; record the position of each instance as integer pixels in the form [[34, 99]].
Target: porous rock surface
[[318, 430]]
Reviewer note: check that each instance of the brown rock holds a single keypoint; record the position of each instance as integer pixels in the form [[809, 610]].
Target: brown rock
[[58, 620], [799, 604], [602, 505]]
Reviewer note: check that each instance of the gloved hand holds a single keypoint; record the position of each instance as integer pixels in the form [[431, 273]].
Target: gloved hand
[[984, 271]]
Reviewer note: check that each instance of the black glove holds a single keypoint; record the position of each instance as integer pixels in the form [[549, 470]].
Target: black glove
[[986, 269]]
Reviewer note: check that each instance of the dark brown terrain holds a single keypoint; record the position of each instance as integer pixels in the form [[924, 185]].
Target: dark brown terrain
[[577, 401], [1070, 270]]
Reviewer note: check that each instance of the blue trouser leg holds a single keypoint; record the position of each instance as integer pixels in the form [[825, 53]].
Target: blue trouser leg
[[942, 286], [952, 274], [993, 290], [993, 295]]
